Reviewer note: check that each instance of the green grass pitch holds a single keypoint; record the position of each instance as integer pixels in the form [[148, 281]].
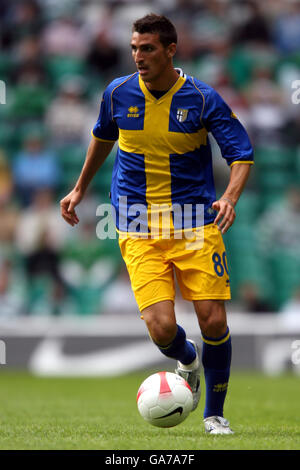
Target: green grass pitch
[[101, 413]]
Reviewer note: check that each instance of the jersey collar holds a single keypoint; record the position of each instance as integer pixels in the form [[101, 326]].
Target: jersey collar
[[180, 72], [177, 85]]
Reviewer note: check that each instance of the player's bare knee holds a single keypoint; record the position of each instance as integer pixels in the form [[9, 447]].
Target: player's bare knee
[[214, 327], [161, 322], [212, 319], [162, 332]]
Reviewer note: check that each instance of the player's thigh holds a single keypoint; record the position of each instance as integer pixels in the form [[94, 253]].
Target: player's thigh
[[203, 273], [151, 274]]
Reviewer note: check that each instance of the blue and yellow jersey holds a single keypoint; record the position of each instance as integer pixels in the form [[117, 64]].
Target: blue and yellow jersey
[[164, 154]]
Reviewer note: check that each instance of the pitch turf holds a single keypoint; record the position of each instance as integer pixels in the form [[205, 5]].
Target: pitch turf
[[42, 413]]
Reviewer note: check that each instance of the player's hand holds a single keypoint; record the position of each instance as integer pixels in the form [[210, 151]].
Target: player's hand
[[67, 207], [226, 214]]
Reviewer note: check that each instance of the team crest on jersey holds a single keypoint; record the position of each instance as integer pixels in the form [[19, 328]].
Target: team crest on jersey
[[182, 114]]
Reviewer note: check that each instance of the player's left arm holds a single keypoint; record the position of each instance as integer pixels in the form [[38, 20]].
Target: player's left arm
[[225, 206], [236, 149]]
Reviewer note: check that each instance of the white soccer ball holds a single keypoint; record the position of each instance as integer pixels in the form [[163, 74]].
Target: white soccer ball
[[164, 399]]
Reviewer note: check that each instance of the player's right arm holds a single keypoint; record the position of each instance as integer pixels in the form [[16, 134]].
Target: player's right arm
[[96, 154], [105, 133]]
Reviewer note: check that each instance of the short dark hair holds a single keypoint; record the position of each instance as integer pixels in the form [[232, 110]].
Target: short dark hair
[[156, 24]]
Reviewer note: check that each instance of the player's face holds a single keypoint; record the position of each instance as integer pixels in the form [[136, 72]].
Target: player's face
[[151, 57]]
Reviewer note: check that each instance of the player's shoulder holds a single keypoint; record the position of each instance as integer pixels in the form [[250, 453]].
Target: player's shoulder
[[209, 96], [121, 82], [200, 87]]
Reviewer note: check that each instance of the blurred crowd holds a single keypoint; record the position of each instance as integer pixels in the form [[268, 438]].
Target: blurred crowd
[[56, 57]]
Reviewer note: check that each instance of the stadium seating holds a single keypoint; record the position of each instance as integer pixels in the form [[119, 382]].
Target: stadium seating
[[286, 275], [6, 64], [59, 67], [30, 101], [277, 164]]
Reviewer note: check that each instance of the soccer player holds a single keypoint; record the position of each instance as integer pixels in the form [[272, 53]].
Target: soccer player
[[162, 118]]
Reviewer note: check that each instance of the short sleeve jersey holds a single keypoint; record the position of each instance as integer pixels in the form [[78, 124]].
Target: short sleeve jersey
[[164, 154]]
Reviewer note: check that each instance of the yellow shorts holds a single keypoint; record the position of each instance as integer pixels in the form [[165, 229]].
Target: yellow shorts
[[200, 267]]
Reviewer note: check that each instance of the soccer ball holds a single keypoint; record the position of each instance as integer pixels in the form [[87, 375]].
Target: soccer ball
[[164, 399]]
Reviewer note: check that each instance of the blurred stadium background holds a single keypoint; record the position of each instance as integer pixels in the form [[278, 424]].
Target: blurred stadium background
[[56, 282]]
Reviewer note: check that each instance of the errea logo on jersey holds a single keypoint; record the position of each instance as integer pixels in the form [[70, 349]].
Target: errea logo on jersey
[[133, 111]]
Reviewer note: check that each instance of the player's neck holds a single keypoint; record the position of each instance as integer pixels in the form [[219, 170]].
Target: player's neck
[[164, 82]]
